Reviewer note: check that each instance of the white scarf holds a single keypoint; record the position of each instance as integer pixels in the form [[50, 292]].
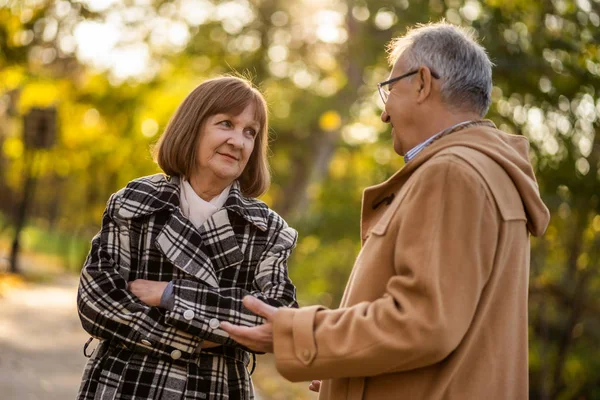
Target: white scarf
[[195, 208]]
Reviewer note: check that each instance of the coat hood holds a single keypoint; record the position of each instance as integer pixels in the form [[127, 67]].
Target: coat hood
[[511, 152]]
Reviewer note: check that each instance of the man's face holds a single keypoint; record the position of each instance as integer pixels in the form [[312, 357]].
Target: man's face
[[399, 106]]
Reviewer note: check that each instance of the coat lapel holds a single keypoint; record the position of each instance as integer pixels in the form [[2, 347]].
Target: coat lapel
[[182, 245], [199, 252], [252, 210], [220, 242]]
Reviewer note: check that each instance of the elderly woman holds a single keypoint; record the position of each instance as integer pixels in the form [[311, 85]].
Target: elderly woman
[[177, 252]]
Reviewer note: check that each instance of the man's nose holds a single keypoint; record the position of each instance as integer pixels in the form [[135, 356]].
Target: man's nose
[[385, 117]]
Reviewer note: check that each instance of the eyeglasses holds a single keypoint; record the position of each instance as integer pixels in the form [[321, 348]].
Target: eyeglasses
[[385, 93]]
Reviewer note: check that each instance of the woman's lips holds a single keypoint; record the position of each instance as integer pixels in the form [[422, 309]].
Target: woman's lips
[[229, 156]]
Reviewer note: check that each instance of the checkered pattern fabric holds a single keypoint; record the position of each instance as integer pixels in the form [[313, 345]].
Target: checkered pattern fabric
[[148, 352]]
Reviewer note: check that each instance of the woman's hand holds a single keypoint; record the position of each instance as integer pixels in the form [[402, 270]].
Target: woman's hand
[[149, 292], [207, 344]]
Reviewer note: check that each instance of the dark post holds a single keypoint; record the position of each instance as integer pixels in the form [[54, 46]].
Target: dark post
[[39, 132]]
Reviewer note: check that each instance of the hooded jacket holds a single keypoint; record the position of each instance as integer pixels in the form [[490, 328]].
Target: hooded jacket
[[436, 304]]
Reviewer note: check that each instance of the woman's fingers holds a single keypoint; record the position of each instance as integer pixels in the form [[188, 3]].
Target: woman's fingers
[[149, 292]]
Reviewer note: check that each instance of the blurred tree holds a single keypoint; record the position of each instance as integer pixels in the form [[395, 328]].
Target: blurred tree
[[547, 77]]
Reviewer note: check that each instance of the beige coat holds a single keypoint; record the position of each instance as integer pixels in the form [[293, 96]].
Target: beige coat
[[436, 304]]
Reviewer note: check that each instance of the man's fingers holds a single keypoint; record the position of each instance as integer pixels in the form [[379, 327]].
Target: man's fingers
[[259, 307], [232, 330], [235, 330], [315, 386], [238, 333], [258, 338], [229, 328]]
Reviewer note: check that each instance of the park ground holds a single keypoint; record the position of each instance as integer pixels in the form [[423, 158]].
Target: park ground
[[41, 339]]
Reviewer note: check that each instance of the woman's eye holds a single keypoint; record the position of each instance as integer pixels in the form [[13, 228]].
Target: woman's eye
[[251, 132], [226, 123]]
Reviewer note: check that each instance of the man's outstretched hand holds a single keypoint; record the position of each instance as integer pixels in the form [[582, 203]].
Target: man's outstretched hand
[[258, 338], [315, 386]]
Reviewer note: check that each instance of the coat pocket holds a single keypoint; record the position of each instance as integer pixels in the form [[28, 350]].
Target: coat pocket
[[111, 376], [91, 374]]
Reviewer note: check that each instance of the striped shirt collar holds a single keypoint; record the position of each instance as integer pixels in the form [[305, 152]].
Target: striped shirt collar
[[412, 153]]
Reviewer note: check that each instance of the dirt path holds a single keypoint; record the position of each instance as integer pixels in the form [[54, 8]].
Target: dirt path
[[41, 343]]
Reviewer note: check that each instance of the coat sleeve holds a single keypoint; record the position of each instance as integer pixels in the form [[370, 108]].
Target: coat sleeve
[[445, 239], [108, 310], [198, 308]]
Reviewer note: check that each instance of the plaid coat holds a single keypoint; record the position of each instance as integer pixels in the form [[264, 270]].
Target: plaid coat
[[149, 352]]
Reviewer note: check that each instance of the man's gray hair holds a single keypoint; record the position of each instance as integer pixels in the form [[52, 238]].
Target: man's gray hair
[[453, 52]]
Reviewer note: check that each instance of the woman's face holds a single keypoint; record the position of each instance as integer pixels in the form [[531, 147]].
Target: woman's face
[[225, 145]]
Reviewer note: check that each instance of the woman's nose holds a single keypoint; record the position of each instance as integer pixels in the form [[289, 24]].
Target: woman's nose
[[236, 140]]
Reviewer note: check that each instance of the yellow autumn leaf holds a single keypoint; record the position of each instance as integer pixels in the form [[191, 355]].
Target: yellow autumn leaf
[[330, 121], [13, 148]]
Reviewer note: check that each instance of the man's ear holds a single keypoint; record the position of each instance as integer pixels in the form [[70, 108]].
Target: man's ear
[[425, 81]]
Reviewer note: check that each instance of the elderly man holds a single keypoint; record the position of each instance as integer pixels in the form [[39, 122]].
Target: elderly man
[[436, 305]]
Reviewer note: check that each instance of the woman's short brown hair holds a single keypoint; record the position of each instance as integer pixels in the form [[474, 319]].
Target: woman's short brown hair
[[175, 151]]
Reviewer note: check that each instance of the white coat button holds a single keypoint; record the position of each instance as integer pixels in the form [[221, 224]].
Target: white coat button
[[214, 323], [176, 354], [189, 315], [146, 342]]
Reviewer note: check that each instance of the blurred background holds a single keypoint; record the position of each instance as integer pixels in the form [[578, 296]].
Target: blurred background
[[86, 87]]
